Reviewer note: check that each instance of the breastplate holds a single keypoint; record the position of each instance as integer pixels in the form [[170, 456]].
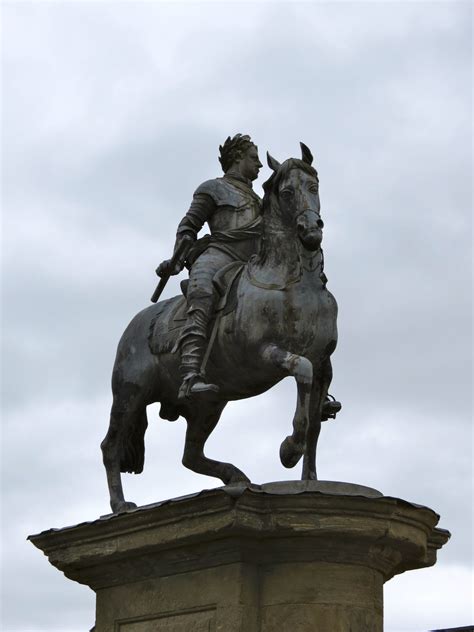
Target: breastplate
[[237, 205]]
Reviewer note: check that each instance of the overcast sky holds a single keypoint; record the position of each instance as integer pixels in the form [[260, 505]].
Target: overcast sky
[[112, 116]]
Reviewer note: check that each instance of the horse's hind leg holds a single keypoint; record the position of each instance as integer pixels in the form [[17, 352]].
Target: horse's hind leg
[[200, 426], [318, 396], [123, 445]]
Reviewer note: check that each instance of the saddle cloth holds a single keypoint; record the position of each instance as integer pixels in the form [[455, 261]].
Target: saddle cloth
[[169, 320]]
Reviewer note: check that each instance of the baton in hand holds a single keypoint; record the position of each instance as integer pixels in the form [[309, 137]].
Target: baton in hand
[[179, 252]]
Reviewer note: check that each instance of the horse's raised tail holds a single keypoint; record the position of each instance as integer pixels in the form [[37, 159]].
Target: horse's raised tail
[[132, 445]]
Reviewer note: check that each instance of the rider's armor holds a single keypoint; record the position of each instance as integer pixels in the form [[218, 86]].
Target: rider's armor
[[233, 212]]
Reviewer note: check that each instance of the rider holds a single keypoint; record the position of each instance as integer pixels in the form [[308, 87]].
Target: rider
[[233, 212]]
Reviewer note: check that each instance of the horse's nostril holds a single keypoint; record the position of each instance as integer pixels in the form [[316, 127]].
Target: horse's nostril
[[320, 223]]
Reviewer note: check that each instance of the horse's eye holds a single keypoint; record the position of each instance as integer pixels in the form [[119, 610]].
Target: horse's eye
[[286, 194]]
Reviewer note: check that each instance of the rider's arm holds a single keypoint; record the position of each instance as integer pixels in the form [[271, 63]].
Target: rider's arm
[[201, 209]]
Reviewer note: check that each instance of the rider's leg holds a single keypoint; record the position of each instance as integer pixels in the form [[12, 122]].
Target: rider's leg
[[193, 346], [194, 338]]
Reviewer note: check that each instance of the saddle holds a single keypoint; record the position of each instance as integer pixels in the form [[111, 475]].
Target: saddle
[[166, 326]]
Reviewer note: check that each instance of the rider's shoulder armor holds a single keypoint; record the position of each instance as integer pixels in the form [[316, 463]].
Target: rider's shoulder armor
[[221, 191]]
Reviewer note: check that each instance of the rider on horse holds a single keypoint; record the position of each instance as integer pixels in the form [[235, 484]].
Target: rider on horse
[[233, 212]]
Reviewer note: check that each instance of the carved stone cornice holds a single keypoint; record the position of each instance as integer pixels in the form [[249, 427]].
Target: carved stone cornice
[[248, 524]]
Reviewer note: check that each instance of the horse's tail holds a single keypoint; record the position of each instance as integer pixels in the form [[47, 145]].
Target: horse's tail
[[136, 382], [132, 448]]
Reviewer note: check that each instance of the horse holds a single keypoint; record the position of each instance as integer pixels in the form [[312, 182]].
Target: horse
[[283, 323]]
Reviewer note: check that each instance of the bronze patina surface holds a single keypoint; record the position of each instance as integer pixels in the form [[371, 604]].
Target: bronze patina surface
[[257, 310]]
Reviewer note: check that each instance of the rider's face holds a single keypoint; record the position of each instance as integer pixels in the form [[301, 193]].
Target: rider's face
[[250, 165]]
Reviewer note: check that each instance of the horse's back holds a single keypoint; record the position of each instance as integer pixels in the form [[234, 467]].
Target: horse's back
[[143, 338]]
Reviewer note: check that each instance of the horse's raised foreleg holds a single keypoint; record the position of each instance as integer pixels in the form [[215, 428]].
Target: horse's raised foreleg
[[293, 447], [319, 393], [200, 426]]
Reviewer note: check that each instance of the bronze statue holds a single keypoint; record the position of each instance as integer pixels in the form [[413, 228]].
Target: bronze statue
[[272, 317]]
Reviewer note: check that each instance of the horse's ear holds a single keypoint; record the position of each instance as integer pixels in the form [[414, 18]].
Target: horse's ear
[[272, 162], [306, 154]]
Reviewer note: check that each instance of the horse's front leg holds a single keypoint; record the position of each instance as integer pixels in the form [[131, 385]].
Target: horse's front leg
[[319, 393], [293, 447]]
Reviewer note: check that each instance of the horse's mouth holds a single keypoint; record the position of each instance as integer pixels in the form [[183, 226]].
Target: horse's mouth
[[312, 239]]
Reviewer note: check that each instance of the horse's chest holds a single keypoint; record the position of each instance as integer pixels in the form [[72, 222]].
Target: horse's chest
[[300, 319], [308, 317]]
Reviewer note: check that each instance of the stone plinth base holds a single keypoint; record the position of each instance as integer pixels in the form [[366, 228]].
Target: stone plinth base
[[286, 557]]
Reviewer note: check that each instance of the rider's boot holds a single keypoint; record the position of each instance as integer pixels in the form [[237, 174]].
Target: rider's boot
[[330, 408], [193, 347]]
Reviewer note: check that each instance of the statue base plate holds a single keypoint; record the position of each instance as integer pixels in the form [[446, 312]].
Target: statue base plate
[[294, 556]]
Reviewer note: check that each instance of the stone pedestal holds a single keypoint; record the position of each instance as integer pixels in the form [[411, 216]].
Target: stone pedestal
[[286, 557]]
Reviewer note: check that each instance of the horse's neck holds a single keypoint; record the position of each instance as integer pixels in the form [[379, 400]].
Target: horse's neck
[[282, 258], [280, 261]]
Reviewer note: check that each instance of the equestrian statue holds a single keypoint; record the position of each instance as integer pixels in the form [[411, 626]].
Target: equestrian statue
[[254, 310]]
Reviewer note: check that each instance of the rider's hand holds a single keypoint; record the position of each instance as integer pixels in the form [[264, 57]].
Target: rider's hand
[[166, 268]]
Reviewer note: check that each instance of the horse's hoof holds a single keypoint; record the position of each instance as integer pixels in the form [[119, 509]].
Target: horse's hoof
[[233, 475], [237, 487], [123, 506], [241, 478], [290, 452]]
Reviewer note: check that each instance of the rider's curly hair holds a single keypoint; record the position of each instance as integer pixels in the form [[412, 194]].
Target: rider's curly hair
[[233, 149]]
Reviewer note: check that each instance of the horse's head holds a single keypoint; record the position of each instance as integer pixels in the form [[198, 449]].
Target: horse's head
[[293, 195]]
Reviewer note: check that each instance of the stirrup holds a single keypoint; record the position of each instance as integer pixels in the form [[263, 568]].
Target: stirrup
[[200, 386], [330, 408], [194, 384], [185, 388]]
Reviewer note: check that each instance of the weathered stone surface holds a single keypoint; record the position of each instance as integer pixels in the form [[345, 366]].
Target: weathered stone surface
[[326, 487], [244, 559]]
